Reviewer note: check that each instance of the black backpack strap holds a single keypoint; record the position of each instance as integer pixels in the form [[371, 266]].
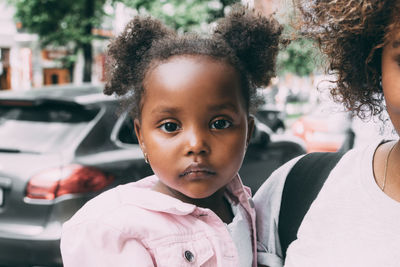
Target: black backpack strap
[[302, 186]]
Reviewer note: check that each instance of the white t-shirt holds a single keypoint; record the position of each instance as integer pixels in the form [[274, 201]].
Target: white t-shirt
[[351, 222], [239, 229]]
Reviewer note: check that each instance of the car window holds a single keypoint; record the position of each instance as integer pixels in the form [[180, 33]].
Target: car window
[[126, 133], [41, 129]]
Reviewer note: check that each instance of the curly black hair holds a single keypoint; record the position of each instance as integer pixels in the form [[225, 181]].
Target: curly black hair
[[243, 39], [352, 34]]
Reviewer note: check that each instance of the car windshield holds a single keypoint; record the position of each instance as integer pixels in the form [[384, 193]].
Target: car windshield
[[41, 129]]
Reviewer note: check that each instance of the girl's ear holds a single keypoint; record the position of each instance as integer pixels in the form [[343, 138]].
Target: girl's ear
[[141, 141], [250, 129], [139, 134]]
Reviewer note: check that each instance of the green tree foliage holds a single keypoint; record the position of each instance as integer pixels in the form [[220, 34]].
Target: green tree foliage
[[300, 57], [69, 23], [62, 23], [59, 22], [182, 15]]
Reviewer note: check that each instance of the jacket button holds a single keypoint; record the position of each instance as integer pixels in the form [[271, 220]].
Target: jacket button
[[189, 256]]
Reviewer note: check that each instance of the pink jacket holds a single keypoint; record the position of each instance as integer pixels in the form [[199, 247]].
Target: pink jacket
[[131, 225]]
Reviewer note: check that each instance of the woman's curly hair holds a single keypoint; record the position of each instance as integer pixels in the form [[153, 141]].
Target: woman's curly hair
[[352, 33], [243, 39]]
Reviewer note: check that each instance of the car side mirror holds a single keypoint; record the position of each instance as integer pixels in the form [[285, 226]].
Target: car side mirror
[[261, 135]]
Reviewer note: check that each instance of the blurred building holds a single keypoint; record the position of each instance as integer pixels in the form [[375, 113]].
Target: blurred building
[[16, 53], [25, 65]]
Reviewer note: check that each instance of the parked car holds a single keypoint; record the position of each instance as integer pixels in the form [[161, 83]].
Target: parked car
[[272, 117], [61, 146], [326, 128]]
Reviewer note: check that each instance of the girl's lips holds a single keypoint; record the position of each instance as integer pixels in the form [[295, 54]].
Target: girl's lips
[[196, 170]]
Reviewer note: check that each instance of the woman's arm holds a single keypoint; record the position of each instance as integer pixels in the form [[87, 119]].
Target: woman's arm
[[267, 202]]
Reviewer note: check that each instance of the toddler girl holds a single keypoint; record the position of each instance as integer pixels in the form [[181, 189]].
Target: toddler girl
[[190, 98]]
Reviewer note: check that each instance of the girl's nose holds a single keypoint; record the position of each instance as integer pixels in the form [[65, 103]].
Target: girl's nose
[[197, 143]]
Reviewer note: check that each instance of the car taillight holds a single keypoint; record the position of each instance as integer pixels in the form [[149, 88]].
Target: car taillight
[[66, 180]]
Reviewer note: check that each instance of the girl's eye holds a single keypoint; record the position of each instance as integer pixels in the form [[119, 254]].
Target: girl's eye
[[169, 127], [220, 124]]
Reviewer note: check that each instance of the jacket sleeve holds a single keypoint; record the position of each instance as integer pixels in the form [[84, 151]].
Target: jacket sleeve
[[94, 245], [267, 202]]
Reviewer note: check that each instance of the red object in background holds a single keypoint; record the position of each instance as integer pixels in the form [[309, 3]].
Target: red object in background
[[323, 130], [71, 179]]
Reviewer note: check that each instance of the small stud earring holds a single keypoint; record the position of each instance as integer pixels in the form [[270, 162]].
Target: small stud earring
[[146, 158]]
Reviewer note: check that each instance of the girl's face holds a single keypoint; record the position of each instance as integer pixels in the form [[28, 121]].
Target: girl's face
[[391, 79], [194, 126]]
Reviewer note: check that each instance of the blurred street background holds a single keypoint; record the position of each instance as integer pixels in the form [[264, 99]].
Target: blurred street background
[[53, 42]]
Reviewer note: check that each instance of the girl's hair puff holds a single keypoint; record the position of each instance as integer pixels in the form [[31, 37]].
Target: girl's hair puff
[[125, 53], [352, 33], [255, 39], [246, 41]]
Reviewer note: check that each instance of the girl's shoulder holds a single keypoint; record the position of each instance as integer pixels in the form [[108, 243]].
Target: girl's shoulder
[[272, 188], [269, 196], [129, 207], [110, 206], [274, 184]]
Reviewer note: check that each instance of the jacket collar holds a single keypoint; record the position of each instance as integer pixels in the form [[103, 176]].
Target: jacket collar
[[140, 194]]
